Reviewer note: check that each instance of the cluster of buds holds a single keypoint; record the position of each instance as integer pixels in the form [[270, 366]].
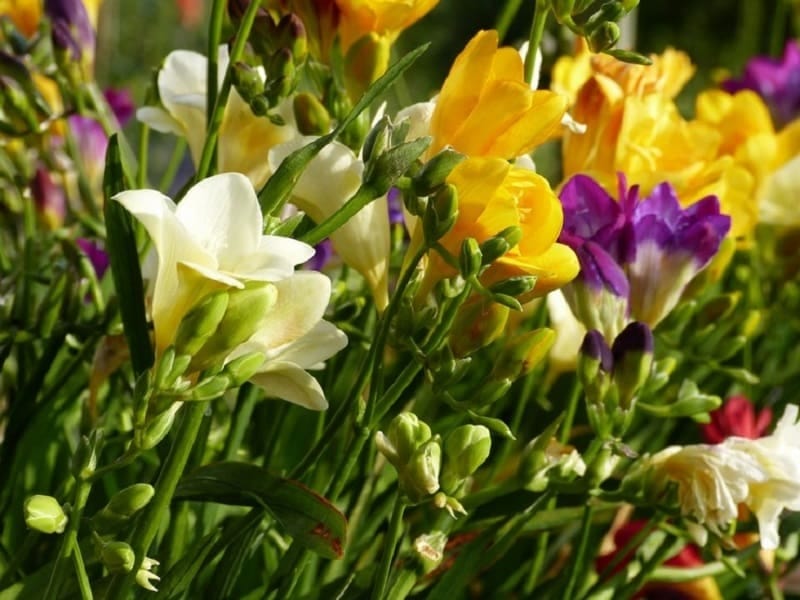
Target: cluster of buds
[[23, 110], [613, 377], [429, 468], [597, 22], [279, 48], [118, 557]]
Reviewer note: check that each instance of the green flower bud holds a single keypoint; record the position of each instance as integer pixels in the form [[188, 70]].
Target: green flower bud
[[156, 428], [469, 258], [491, 391], [247, 81], [497, 246], [281, 76], [127, 502], [514, 286], [366, 60], [212, 387], [604, 37], [420, 476], [441, 213], [407, 433], [378, 140], [291, 34], [311, 116], [243, 368], [478, 323], [243, 315], [466, 448], [44, 514], [118, 557], [84, 461], [384, 169], [435, 172], [523, 353], [200, 323], [508, 301]]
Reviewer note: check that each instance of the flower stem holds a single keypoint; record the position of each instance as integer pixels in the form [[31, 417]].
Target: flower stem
[[540, 11], [80, 570], [576, 573], [214, 38], [393, 536], [217, 113], [506, 18], [70, 542], [148, 524]]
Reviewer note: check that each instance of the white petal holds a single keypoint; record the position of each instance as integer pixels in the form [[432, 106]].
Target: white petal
[[419, 116], [159, 119], [323, 341], [223, 215], [275, 258], [182, 89], [291, 383], [779, 195], [302, 300]]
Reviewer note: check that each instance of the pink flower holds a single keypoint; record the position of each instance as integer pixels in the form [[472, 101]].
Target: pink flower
[[736, 417]]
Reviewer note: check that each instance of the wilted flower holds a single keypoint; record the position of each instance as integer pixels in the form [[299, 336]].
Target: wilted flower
[[213, 242], [777, 81], [244, 139], [763, 474], [637, 255], [736, 417]]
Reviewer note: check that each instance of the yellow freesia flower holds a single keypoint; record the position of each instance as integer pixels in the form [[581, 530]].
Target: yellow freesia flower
[[386, 18], [486, 108], [494, 195], [26, 14]]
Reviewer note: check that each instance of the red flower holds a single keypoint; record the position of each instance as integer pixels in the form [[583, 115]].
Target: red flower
[[736, 417]]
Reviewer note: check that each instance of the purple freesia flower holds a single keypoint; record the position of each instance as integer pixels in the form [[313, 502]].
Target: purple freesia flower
[[96, 255], [636, 255], [777, 81], [72, 29]]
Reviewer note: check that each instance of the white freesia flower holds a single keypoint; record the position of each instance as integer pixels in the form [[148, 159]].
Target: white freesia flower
[[569, 334], [329, 180], [213, 240], [244, 139], [779, 195], [712, 480]]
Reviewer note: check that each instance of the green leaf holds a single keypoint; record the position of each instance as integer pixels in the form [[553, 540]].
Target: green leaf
[[178, 579], [308, 517], [124, 259], [277, 189]]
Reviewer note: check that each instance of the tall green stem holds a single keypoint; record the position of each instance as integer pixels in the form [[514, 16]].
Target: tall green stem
[[214, 38], [535, 38], [393, 536], [148, 523], [577, 571], [506, 18]]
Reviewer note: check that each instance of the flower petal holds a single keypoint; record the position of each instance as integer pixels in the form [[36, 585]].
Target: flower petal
[[289, 382]]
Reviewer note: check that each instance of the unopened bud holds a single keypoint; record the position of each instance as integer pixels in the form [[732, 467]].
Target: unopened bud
[[281, 76], [633, 360], [127, 502], [420, 476], [156, 428], [212, 388], [407, 433], [595, 357], [118, 557], [497, 246], [44, 514], [435, 172], [469, 258], [478, 323], [247, 81], [200, 323], [466, 448], [244, 367], [523, 353], [384, 169], [441, 213], [291, 34], [365, 62], [429, 549], [514, 286], [450, 504], [604, 37], [378, 140], [84, 461], [311, 116]]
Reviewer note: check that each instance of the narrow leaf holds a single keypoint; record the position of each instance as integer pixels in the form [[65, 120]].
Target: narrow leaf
[[306, 516]]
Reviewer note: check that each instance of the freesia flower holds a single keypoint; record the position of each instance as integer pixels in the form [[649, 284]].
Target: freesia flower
[[72, 30], [244, 139], [213, 241], [636, 255], [25, 14], [776, 81], [494, 195], [485, 107], [329, 180], [388, 18], [96, 255], [712, 480], [736, 417]]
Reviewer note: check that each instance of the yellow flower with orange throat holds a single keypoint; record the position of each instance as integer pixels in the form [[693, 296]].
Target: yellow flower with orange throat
[[386, 18], [494, 195]]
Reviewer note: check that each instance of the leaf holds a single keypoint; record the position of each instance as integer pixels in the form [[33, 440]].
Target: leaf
[[280, 185], [124, 259], [178, 579], [308, 517]]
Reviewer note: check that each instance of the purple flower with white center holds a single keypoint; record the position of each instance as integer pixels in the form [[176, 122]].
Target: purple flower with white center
[[96, 255], [637, 255], [777, 81]]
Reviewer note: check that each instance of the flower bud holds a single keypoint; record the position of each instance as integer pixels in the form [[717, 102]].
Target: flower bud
[[247, 81], [364, 63], [145, 576], [243, 367], [478, 323], [429, 549], [49, 198], [118, 557], [604, 37], [17, 108], [44, 514], [514, 286], [466, 448], [491, 391], [633, 360], [84, 461], [281, 76], [212, 387], [435, 172], [156, 428], [311, 116], [595, 356], [385, 168], [469, 258], [291, 34], [450, 504], [420, 476], [122, 506], [523, 353], [497, 246], [200, 323], [407, 433], [545, 457], [72, 32], [441, 213], [378, 140]]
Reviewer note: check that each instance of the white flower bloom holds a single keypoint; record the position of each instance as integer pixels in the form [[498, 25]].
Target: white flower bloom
[[779, 195], [712, 480], [213, 240], [329, 180], [569, 334], [244, 139]]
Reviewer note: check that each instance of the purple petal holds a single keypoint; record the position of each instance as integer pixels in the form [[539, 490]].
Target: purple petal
[[121, 103], [395, 201], [595, 347], [72, 29], [600, 271], [97, 256], [92, 141], [636, 337], [588, 209], [322, 255]]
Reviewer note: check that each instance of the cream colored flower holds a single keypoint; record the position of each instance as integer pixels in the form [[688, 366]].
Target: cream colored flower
[[244, 139], [713, 480]]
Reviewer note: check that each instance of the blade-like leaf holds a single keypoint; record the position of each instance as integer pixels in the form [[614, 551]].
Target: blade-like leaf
[[127, 275], [306, 516]]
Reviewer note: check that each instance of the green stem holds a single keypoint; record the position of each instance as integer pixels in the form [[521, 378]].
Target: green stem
[[393, 536], [362, 197], [576, 573], [214, 38], [80, 570], [215, 121], [540, 11], [569, 413], [148, 523], [506, 18], [70, 541], [168, 178], [144, 143]]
